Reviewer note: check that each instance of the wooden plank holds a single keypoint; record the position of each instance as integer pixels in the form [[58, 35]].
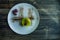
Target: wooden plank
[[13, 2], [4, 1], [4, 11], [6, 6]]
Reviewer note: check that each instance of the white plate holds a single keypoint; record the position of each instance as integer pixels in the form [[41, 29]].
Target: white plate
[[15, 25]]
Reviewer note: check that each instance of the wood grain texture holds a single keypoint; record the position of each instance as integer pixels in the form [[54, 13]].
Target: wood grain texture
[[39, 34]]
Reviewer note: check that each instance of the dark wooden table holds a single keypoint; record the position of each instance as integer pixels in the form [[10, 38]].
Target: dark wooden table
[[47, 29]]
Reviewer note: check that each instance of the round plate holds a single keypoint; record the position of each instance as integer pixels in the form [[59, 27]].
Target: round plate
[[15, 26]]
